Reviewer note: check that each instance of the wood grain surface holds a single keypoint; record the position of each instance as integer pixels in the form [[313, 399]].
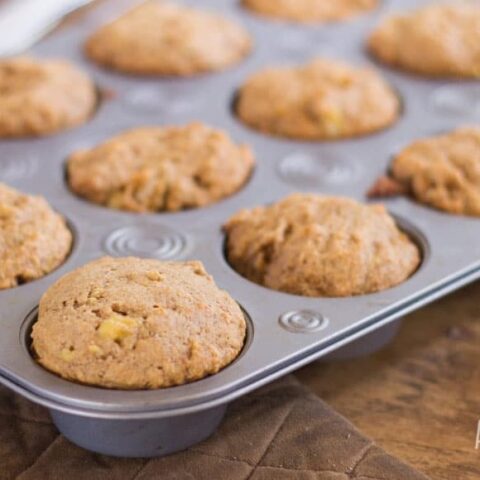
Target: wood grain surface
[[419, 398]]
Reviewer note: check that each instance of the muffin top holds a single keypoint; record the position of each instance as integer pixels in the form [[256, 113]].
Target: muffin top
[[37, 98], [443, 171], [34, 240], [441, 39], [310, 11], [321, 100], [154, 169], [320, 247], [132, 323], [161, 38]]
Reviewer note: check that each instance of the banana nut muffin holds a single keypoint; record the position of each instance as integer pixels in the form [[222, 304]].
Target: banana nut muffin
[[441, 39], [34, 240], [132, 323], [321, 100], [310, 11], [155, 169], [318, 246], [40, 97], [161, 38], [443, 171]]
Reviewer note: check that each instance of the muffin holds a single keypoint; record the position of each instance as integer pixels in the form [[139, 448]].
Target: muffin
[[441, 39], [161, 38], [320, 247], [37, 98], [34, 240], [310, 11], [441, 171], [321, 100], [132, 323], [155, 169]]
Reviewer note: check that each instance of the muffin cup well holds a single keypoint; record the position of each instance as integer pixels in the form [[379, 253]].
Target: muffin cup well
[[127, 435], [138, 438], [368, 345], [413, 233]]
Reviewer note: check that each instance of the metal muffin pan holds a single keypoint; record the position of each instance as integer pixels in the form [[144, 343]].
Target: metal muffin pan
[[285, 331]]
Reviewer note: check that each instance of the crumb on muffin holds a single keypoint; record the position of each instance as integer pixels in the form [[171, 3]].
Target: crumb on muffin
[[441, 39], [318, 246], [155, 169], [37, 97], [34, 239], [321, 100], [310, 11], [131, 323], [442, 171], [174, 40]]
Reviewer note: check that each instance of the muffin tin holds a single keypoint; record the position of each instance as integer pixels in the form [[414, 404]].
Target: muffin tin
[[285, 331]]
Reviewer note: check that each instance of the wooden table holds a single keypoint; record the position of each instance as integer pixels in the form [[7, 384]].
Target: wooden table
[[420, 397]]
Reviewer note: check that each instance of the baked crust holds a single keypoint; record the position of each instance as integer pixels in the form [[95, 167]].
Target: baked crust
[[34, 240], [317, 246], [154, 169], [41, 97], [311, 11], [321, 100], [131, 323], [160, 38], [443, 171], [441, 40]]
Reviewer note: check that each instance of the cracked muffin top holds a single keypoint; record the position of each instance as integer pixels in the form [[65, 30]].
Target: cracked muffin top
[[161, 38], [441, 39], [318, 246], [321, 100], [443, 171], [34, 240], [310, 11], [37, 98], [155, 169], [132, 323]]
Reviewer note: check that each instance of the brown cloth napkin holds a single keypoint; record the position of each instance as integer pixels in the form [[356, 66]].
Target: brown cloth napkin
[[280, 432]]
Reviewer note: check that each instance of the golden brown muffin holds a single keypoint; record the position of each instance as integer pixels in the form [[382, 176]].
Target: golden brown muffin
[[321, 100], [155, 169], [132, 323], [310, 11], [41, 97], [34, 240], [320, 247], [161, 38], [441, 39], [443, 171]]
